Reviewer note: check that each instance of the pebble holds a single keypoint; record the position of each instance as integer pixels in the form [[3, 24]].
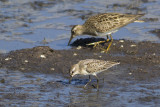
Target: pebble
[[114, 44], [94, 53], [22, 68], [100, 56]]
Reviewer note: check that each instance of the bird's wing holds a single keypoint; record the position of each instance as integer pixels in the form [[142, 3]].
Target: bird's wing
[[95, 65], [110, 21]]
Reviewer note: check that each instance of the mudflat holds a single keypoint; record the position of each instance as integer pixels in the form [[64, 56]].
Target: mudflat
[[139, 63]]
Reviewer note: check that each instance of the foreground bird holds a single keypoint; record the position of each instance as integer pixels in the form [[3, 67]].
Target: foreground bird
[[103, 25], [91, 67]]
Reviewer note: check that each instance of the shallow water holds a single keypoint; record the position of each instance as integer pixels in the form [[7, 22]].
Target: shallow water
[[35, 89], [25, 23]]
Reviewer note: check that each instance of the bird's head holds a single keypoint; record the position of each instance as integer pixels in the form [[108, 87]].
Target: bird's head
[[75, 31], [74, 70]]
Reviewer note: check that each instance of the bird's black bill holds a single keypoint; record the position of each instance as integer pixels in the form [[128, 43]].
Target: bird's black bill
[[70, 39], [70, 80]]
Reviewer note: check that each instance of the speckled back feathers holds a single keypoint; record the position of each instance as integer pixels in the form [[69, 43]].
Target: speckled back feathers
[[95, 66], [109, 21]]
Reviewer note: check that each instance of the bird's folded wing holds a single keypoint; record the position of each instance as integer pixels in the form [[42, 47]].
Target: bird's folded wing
[[95, 66]]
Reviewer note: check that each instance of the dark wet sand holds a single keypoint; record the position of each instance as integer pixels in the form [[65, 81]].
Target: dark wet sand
[[139, 62], [135, 56]]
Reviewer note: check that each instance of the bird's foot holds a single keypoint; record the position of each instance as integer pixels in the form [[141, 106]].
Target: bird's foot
[[96, 43], [106, 50], [70, 80]]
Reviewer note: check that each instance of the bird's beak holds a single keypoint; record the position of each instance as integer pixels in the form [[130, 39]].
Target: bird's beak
[[72, 36], [70, 79]]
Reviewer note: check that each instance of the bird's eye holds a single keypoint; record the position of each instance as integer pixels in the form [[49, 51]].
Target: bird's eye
[[72, 31], [72, 72]]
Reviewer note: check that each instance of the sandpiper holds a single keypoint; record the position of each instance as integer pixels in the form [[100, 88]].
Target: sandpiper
[[103, 25], [91, 67]]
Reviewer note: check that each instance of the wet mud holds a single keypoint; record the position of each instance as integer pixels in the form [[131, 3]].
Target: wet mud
[[137, 73]]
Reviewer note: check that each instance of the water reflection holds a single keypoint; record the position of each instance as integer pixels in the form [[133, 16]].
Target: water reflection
[[28, 89]]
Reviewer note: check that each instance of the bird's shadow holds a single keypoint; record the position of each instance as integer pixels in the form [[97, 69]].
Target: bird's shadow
[[84, 41], [75, 81]]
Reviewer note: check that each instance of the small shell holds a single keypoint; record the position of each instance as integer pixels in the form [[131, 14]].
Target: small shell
[[26, 61], [133, 45], [130, 73], [121, 46], [154, 54], [42, 56], [75, 54], [121, 41], [7, 59], [79, 47], [52, 69], [102, 51]]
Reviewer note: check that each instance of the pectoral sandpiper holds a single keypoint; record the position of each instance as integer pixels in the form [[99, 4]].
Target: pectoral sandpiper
[[103, 25], [91, 67]]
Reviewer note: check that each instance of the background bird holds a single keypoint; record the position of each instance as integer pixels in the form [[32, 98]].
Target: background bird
[[103, 25]]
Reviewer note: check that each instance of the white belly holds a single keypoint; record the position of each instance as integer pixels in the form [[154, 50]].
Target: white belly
[[106, 33]]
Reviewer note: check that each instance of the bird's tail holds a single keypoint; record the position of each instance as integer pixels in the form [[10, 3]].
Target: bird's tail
[[138, 16], [139, 21], [110, 64]]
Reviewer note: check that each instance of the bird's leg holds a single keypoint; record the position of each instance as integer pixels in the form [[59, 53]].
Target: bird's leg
[[88, 81], [110, 43], [99, 42], [107, 39], [70, 80], [96, 43], [97, 82], [106, 50]]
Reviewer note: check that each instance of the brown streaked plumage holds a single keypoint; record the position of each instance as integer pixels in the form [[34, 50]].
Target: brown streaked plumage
[[103, 25], [91, 67]]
